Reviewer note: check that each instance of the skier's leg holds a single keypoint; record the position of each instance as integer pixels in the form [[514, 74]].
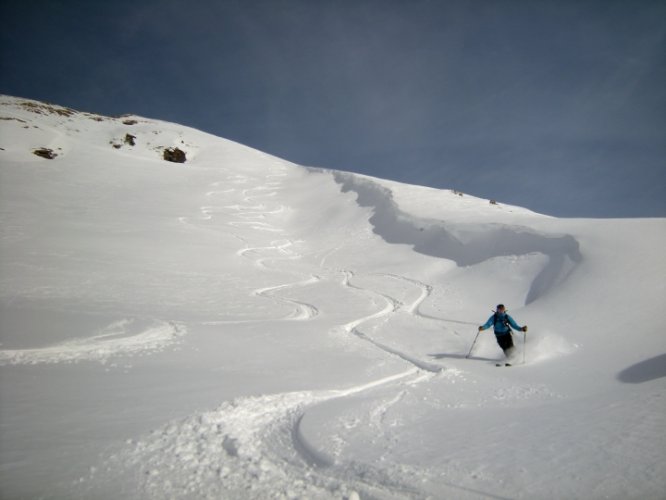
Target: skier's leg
[[506, 343]]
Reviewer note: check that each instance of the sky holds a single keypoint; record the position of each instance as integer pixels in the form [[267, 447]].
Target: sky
[[557, 106]]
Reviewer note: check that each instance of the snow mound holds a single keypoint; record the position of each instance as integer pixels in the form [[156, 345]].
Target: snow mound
[[120, 338]]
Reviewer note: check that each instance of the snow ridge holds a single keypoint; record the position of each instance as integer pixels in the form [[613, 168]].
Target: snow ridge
[[465, 244]]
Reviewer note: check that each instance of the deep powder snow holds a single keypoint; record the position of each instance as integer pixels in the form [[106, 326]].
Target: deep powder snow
[[237, 326]]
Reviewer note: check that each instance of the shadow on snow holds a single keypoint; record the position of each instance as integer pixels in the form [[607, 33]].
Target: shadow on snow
[[649, 369], [459, 356]]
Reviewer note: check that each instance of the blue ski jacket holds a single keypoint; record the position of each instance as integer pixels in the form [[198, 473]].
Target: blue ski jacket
[[498, 322]]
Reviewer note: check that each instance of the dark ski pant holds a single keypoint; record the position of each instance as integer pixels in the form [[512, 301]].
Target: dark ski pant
[[506, 343]]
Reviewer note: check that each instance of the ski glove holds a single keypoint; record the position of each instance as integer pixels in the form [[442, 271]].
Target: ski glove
[[524, 329]]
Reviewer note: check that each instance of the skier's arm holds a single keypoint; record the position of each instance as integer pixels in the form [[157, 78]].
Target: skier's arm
[[487, 323], [515, 325]]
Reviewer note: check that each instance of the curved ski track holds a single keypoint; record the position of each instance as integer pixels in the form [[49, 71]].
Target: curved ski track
[[254, 447]]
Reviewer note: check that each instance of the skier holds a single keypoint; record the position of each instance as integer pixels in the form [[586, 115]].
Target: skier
[[502, 324]]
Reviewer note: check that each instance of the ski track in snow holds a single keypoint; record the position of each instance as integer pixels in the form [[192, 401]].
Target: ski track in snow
[[425, 289], [254, 216], [392, 305], [253, 447], [303, 311]]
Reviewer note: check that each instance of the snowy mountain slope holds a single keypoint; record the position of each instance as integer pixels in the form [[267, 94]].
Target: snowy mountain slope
[[241, 327]]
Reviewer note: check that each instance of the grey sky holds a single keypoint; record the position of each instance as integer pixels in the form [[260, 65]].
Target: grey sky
[[558, 106]]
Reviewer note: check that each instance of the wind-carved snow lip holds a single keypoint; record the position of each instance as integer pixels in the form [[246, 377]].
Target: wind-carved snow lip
[[465, 244]]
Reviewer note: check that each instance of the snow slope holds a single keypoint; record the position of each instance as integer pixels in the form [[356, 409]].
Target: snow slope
[[241, 327]]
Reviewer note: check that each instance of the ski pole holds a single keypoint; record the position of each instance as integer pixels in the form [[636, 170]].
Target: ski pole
[[524, 339], [470, 349]]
